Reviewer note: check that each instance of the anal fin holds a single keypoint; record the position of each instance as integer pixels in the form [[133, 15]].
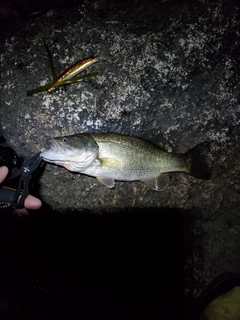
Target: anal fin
[[107, 182], [158, 183]]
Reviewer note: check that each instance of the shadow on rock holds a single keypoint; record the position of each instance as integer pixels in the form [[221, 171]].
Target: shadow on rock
[[127, 264]]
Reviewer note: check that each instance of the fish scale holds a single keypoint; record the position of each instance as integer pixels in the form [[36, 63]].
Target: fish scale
[[136, 156]]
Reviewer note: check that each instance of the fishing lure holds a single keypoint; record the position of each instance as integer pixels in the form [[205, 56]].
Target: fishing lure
[[61, 83], [69, 76], [74, 70]]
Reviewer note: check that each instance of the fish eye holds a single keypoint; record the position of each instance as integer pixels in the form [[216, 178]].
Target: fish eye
[[65, 139]]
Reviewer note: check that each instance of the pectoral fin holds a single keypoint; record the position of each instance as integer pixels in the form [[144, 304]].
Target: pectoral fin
[[158, 183], [108, 182], [110, 163]]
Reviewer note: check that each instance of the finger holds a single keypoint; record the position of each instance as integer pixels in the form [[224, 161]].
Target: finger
[[29, 203], [21, 213], [32, 203], [3, 173]]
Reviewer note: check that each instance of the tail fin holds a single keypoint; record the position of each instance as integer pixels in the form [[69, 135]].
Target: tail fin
[[198, 161]]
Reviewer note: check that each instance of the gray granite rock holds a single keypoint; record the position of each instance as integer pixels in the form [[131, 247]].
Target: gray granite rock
[[171, 70]]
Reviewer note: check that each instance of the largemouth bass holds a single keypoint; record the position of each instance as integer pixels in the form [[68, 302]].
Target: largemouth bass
[[110, 157]]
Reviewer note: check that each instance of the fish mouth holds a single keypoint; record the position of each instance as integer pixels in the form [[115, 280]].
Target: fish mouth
[[51, 145]]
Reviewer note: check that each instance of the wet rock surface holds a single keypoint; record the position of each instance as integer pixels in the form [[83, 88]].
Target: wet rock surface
[[170, 70]]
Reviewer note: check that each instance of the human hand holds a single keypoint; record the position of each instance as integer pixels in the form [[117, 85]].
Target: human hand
[[30, 202]]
